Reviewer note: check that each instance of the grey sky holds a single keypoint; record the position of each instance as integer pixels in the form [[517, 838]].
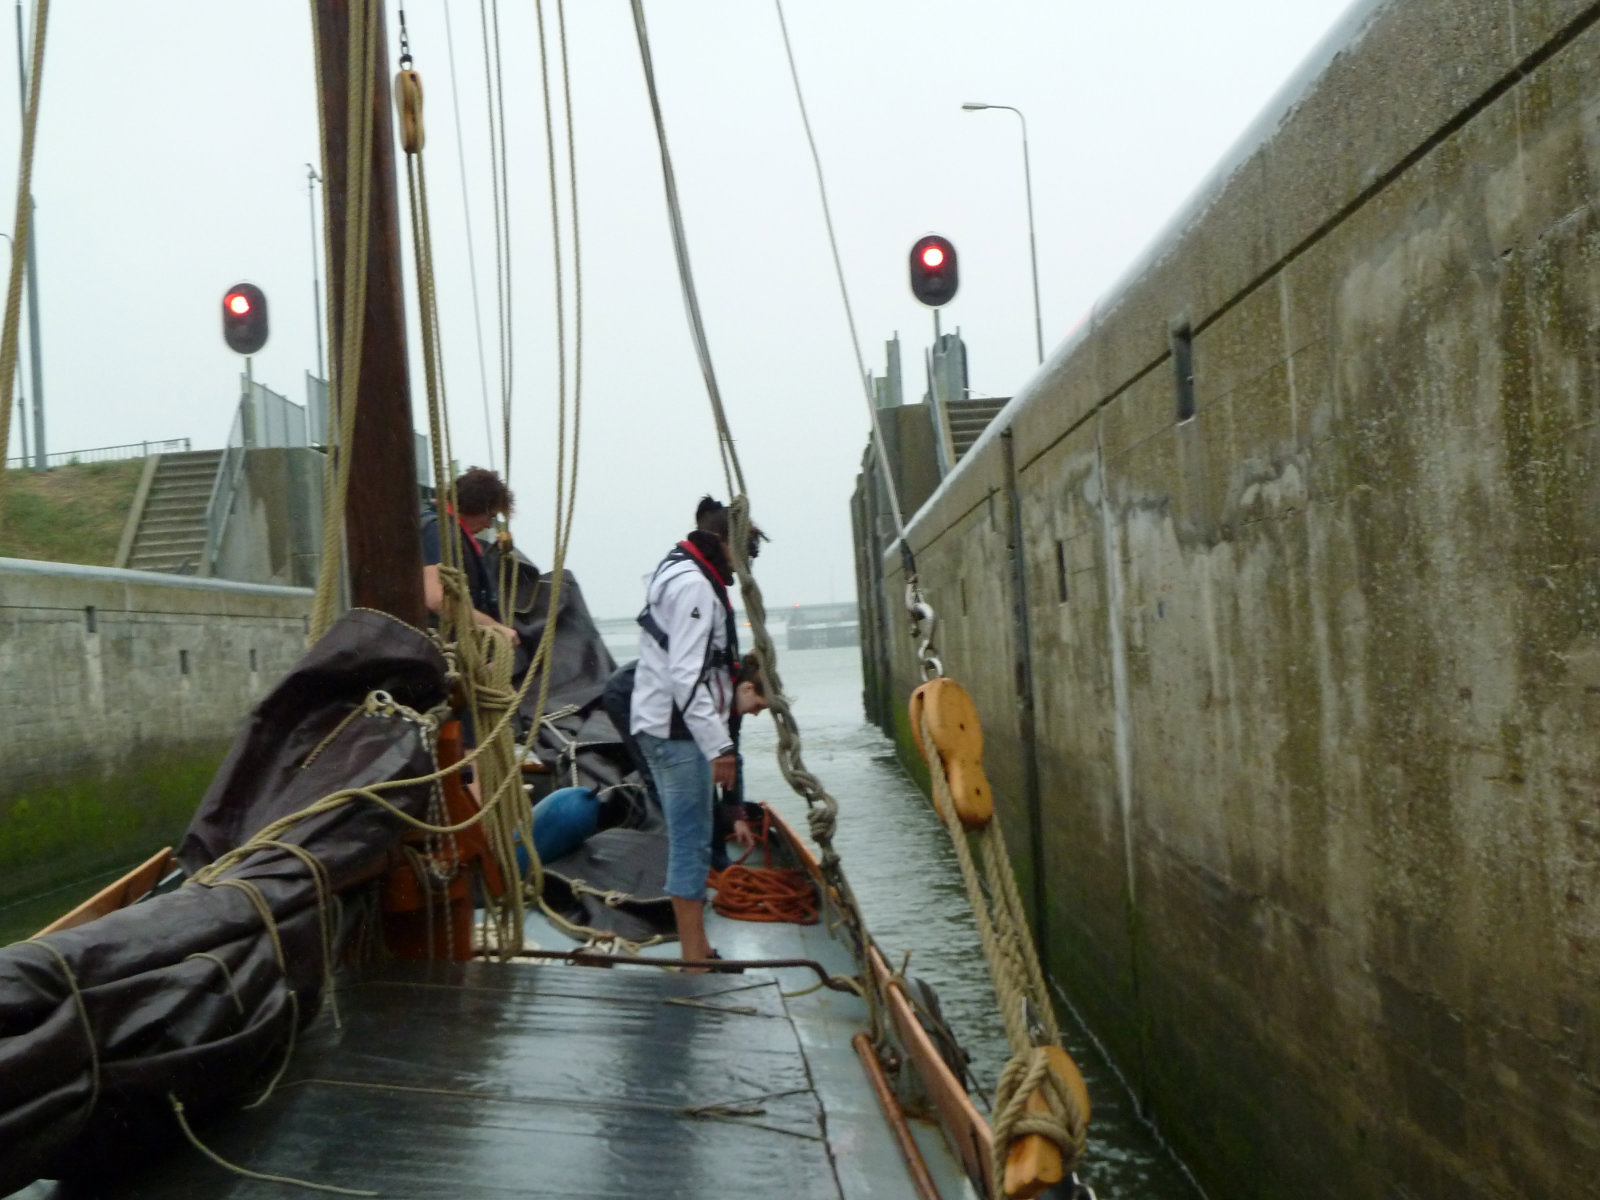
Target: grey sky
[[172, 144]]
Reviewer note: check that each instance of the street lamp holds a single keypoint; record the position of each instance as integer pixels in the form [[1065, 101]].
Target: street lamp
[[1033, 248], [312, 179]]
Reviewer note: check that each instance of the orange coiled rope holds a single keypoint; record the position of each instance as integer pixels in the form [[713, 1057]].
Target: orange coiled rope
[[765, 893]]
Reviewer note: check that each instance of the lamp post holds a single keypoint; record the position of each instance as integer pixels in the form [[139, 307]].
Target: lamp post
[[1033, 248], [312, 179]]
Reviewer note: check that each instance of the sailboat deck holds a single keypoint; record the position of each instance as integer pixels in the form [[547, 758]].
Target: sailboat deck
[[544, 1079]]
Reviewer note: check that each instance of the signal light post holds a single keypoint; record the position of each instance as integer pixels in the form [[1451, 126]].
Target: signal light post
[[934, 275], [244, 328], [244, 318]]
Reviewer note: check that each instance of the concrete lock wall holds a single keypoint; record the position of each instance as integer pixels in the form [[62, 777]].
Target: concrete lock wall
[[273, 531], [1316, 671], [121, 691]]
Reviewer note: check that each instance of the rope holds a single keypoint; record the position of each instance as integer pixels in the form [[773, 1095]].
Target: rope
[[83, 1020], [489, 18], [183, 1124], [21, 228], [917, 606], [472, 255], [776, 894], [484, 661], [764, 893], [227, 976], [270, 924], [347, 376], [1025, 1008], [844, 292], [822, 808], [680, 246]]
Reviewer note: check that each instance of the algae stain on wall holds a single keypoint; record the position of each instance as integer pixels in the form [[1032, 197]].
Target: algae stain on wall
[[85, 825]]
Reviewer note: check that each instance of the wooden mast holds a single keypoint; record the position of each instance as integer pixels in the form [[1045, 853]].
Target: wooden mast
[[381, 511]]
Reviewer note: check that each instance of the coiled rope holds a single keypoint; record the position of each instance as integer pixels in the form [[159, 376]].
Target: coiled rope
[[764, 893]]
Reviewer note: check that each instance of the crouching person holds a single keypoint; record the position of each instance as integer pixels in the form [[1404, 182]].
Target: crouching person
[[683, 697]]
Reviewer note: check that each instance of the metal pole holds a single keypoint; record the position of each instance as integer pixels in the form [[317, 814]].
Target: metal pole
[[1033, 244], [312, 179], [33, 277]]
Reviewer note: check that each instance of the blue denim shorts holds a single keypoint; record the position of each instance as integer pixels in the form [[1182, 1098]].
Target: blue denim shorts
[[683, 779]]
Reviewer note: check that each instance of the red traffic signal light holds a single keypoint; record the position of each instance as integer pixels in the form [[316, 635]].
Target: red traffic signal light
[[933, 270], [244, 318]]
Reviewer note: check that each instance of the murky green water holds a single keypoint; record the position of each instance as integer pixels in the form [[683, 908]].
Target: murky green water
[[904, 872], [24, 918]]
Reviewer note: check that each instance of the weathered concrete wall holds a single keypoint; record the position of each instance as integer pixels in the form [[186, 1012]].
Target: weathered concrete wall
[[119, 693], [273, 533], [1316, 673]]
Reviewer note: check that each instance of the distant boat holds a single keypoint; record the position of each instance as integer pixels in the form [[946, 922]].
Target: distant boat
[[815, 625]]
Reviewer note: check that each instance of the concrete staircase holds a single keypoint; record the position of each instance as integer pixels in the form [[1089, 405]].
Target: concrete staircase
[[968, 419], [172, 528]]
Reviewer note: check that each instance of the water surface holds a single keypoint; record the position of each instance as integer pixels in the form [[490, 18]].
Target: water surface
[[904, 872]]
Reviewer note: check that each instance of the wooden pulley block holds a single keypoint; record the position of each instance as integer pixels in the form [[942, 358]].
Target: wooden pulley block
[[408, 99], [952, 720], [1033, 1163]]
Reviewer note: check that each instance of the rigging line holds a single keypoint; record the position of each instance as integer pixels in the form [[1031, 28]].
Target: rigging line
[[21, 229], [555, 249], [680, 246], [509, 348], [844, 292], [493, 81], [491, 695], [577, 262], [472, 254], [359, 121]]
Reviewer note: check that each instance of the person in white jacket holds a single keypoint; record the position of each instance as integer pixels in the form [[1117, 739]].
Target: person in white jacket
[[683, 694]]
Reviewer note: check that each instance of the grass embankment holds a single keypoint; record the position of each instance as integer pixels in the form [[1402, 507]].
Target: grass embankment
[[71, 514]]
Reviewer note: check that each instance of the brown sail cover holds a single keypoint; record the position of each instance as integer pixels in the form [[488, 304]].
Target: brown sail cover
[[192, 994]]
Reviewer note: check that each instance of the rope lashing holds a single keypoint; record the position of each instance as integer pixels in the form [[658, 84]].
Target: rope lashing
[[1041, 1105], [83, 1020]]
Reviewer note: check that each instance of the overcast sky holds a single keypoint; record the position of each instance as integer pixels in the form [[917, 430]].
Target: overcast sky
[[173, 138]]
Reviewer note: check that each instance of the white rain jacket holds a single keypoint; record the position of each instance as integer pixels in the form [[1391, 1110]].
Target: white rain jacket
[[693, 672]]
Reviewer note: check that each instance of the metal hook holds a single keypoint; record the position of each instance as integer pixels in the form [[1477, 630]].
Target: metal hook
[[405, 42]]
